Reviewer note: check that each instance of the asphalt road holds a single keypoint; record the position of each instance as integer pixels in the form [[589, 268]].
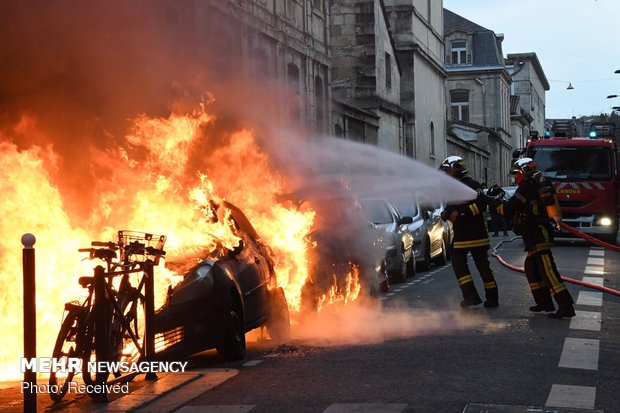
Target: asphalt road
[[419, 352]]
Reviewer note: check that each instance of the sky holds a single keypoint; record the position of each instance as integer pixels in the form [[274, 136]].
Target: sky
[[576, 41]]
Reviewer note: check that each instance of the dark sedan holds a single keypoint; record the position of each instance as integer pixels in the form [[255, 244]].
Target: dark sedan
[[223, 297]]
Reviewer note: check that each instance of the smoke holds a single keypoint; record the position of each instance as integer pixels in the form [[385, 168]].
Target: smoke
[[77, 74], [366, 322]]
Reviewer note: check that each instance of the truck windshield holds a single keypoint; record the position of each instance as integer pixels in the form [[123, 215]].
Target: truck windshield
[[562, 163]]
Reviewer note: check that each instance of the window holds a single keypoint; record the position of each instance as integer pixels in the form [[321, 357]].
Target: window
[[459, 105], [319, 103], [388, 71], [459, 52], [432, 149]]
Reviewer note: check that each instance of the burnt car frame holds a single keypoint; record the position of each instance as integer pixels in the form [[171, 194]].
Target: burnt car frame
[[222, 298]]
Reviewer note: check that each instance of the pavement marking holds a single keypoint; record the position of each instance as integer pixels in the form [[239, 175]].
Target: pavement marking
[[597, 253], [594, 280], [586, 320], [166, 399], [577, 397], [594, 270], [580, 353], [366, 408], [240, 408], [252, 363], [590, 298], [595, 261]]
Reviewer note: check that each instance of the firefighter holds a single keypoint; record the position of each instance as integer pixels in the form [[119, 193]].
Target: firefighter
[[535, 212], [470, 236]]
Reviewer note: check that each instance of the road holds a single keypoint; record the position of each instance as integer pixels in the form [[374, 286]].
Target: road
[[419, 352]]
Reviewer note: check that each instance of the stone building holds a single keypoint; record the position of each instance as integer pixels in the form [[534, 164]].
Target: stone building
[[478, 90], [281, 41], [529, 84], [417, 28], [366, 75]]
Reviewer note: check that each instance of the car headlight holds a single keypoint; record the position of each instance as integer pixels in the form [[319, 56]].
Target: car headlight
[[605, 221]]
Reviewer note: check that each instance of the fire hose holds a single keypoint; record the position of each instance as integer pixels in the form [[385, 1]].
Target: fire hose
[[567, 279]]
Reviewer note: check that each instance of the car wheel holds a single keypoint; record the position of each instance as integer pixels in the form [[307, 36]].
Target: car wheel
[[425, 265], [279, 322], [399, 275], [442, 258], [411, 265], [232, 342], [448, 249]]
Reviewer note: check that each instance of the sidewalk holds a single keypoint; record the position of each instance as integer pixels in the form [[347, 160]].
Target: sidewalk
[[169, 392]]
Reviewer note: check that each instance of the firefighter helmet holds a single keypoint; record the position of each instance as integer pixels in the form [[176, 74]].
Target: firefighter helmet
[[454, 165], [523, 169]]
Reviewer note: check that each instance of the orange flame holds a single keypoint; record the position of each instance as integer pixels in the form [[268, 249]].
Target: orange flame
[[162, 181]]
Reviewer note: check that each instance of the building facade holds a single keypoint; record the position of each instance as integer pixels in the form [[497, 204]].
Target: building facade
[[478, 94], [366, 75], [417, 27], [529, 85]]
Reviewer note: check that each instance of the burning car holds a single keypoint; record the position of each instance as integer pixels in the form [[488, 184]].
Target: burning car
[[222, 297]]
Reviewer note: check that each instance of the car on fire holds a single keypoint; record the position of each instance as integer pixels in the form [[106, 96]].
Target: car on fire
[[394, 237], [341, 242], [221, 298]]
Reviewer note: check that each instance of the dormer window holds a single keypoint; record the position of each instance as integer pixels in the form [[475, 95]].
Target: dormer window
[[459, 52]]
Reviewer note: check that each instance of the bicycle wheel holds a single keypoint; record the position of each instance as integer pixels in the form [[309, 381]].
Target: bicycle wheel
[[64, 348], [86, 344], [127, 326]]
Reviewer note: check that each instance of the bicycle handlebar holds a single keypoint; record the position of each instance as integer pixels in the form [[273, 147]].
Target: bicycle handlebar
[[107, 244]]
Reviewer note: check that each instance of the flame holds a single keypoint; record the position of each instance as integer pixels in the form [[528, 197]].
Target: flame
[[166, 177]]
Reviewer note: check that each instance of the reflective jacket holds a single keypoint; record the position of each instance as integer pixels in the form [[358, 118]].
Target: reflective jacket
[[530, 209], [470, 228]]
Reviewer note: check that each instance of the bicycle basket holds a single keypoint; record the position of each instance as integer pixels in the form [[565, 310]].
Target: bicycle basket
[[134, 246]]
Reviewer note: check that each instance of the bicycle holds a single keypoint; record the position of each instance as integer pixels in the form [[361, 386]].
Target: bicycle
[[124, 308]]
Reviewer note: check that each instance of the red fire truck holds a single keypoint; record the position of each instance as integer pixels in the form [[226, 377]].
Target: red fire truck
[[585, 174]]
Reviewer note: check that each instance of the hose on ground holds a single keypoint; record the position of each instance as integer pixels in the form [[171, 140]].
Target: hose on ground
[[567, 279]]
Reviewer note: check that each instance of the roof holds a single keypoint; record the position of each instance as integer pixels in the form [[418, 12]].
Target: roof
[[511, 58], [486, 45]]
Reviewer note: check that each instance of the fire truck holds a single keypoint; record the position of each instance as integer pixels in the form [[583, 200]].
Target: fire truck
[[584, 171]]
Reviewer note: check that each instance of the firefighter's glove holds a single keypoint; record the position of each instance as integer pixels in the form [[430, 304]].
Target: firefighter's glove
[[558, 221]]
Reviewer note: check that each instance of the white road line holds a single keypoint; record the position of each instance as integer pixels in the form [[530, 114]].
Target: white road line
[[580, 353], [252, 363], [590, 298], [597, 253], [366, 408], [595, 261], [594, 270], [240, 408], [594, 280], [586, 320], [577, 397]]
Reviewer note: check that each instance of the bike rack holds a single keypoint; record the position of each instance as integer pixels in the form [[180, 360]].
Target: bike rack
[[103, 312]]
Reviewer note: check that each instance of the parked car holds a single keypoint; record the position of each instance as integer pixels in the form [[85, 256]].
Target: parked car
[[221, 298], [427, 229], [509, 191], [340, 240], [448, 231], [394, 237]]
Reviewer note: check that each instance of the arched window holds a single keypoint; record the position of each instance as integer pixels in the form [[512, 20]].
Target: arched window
[[292, 76]]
